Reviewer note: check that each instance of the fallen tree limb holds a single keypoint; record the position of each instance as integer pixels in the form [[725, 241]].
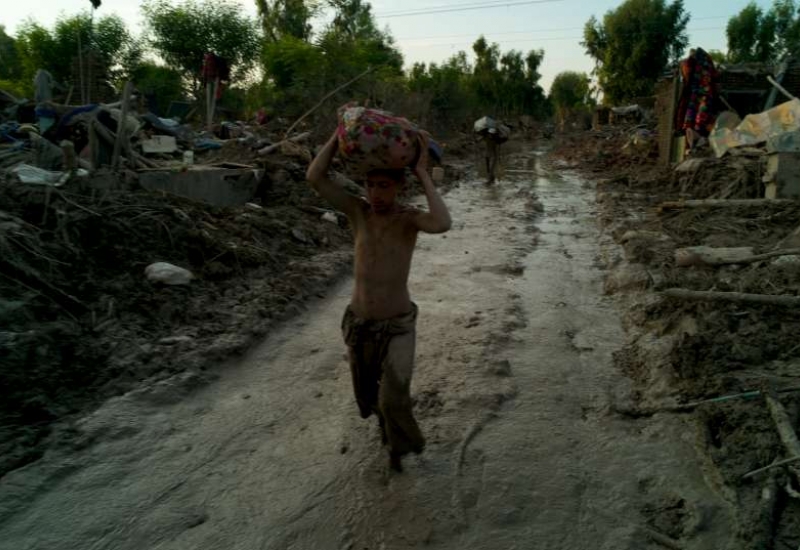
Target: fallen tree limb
[[110, 137], [780, 88], [713, 203], [704, 255], [777, 464], [708, 256], [785, 430], [735, 297], [324, 99], [275, 146], [768, 515]]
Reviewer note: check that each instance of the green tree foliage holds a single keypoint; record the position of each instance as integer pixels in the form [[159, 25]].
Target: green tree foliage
[[718, 56], [353, 41], [300, 72], [183, 33], [569, 94], [286, 18], [300, 64], [443, 92], [502, 84], [755, 35], [633, 45], [506, 83], [10, 64], [162, 83], [751, 35], [107, 38]]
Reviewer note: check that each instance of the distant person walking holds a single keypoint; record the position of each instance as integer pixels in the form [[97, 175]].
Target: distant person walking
[[493, 134]]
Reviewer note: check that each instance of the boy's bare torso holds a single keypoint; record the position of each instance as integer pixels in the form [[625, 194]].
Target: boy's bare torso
[[384, 246], [385, 231]]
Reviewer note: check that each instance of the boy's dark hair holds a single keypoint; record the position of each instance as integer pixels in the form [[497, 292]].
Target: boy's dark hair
[[396, 175]]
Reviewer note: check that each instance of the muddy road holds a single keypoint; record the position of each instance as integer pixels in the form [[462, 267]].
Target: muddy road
[[514, 381]]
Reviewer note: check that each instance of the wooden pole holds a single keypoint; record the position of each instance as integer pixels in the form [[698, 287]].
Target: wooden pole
[[208, 105], [213, 105], [122, 129], [780, 88]]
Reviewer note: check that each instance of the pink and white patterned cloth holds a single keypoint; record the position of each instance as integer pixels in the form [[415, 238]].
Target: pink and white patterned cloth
[[373, 139]]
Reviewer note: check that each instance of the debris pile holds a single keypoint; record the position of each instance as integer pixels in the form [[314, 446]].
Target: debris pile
[[135, 248], [102, 293], [708, 272]]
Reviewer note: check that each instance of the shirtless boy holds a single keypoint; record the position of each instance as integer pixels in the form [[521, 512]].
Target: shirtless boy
[[379, 325]]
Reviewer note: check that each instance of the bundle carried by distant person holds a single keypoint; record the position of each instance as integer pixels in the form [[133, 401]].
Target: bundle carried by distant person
[[488, 127], [371, 139]]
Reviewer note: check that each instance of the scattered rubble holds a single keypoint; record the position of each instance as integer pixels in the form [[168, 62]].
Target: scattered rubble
[[136, 249], [709, 276]]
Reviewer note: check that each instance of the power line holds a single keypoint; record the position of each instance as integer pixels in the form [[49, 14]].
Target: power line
[[468, 4], [542, 39], [492, 34], [428, 11], [562, 29]]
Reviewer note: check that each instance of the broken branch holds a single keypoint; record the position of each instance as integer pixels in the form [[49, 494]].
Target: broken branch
[[704, 255], [713, 203], [324, 99], [735, 297], [777, 464], [275, 146]]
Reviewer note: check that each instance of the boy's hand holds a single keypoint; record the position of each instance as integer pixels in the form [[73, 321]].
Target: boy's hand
[[422, 164]]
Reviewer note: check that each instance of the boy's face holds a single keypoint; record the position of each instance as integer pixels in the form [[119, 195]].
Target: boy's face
[[381, 192]]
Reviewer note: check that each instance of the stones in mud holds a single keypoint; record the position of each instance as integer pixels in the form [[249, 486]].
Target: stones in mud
[[301, 237], [168, 274], [330, 217]]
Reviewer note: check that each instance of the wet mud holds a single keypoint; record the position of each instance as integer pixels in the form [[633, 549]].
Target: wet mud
[[514, 389]]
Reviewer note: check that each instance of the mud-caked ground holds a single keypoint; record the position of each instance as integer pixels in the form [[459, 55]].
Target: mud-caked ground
[[80, 322], [681, 351], [516, 388]]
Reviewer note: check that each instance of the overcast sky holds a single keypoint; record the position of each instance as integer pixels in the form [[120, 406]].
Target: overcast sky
[[556, 25]]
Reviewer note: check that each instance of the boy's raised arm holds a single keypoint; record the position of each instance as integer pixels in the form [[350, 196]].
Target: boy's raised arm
[[317, 176], [437, 219]]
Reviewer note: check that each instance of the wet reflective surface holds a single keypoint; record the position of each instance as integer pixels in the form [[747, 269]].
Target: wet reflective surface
[[513, 383]]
